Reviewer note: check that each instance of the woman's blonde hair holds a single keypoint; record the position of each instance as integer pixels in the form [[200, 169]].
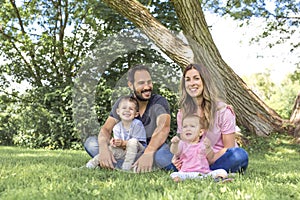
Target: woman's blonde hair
[[209, 105]]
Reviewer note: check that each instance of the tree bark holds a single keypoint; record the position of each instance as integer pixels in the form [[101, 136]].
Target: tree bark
[[295, 117], [172, 46], [251, 111]]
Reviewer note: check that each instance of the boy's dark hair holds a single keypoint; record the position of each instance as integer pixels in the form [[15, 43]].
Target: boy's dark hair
[[130, 99], [131, 72]]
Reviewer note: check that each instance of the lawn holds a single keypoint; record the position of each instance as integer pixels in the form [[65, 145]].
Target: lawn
[[273, 173]]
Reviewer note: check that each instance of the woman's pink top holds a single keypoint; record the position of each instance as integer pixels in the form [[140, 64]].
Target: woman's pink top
[[193, 157], [224, 124]]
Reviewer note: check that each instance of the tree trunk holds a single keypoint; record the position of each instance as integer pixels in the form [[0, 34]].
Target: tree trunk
[[251, 111], [295, 117], [172, 46]]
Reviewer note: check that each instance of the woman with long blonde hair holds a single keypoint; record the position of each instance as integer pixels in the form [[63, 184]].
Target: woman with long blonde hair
[[198, 95]]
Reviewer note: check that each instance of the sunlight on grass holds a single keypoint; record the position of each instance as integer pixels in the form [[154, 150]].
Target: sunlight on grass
[[283, 151], [273, 173], [34, 155]]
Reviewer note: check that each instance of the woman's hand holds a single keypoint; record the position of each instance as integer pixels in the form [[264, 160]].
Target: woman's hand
[[177, 162], [207, 144]]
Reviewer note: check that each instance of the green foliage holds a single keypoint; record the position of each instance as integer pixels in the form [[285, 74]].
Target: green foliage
[[279, 97], [44, 120], [46, 43], [261, 84], [284, 97], [280, 17], [164, 12], [43, 43], [8, 120], [295, 77], [42, 174]]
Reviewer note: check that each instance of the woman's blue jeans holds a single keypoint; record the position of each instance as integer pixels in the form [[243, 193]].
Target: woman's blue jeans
[[233, 160], [162, 158]]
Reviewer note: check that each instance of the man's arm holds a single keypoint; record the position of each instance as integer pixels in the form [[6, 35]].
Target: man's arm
[[160, 134], [106, 158]]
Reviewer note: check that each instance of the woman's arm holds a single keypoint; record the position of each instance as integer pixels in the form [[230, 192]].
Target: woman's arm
[[228, 141], [227, 123]]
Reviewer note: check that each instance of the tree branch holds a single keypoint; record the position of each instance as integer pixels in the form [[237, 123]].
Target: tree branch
[[35, 73], [27, 64], [171, 45], [13, 3]]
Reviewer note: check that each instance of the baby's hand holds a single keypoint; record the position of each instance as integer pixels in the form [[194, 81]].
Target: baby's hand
[[202, 131], [118, 142], [175, 139]]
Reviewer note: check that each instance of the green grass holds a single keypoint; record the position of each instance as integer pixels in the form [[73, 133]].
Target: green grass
[[273, 173]]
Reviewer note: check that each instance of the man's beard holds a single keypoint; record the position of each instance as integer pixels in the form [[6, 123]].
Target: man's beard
[[139, 96]]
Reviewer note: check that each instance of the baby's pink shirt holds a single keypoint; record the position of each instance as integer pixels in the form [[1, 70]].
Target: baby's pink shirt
[[193, 157], [224, 124]]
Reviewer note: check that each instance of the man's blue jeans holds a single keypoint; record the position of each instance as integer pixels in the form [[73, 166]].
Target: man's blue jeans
[[162, 158], [233, 160]]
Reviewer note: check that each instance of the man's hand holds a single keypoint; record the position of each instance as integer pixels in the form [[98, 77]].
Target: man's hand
[[106, 159], [144, 163]]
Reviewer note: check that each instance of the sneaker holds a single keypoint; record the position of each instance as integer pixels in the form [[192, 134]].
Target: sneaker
[[90, 165], [126, 166]]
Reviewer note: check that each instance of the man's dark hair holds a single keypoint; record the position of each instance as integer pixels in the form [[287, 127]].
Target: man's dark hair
[[131, 72]]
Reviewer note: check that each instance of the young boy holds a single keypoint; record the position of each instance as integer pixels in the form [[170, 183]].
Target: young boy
[[193, 149], [129, 139]]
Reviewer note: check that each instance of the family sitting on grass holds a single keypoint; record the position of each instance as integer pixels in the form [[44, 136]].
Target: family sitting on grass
[[205, 123]]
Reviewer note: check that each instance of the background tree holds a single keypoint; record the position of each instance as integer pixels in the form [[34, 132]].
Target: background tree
[[261, 84], [281, 97], [252, 112], [281, 17], [44, 44]]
